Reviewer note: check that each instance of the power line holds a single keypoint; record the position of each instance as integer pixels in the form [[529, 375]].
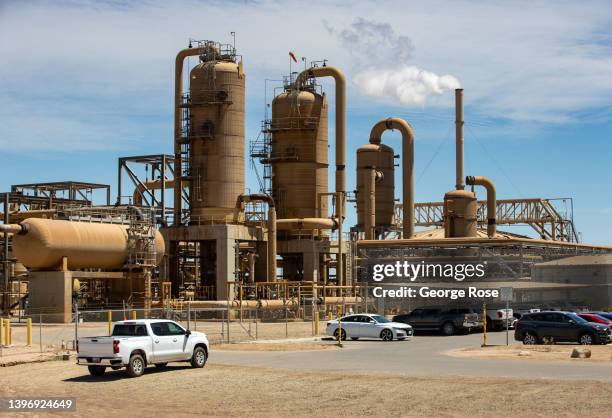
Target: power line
[[492, 157]]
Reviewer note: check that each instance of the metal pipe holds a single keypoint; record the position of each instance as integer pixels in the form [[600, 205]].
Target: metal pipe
[[491, 201], [370, 199], [459, 184], [149, 185], [252, 257], [5, 300], [407, 166], [340, 127], [306, 223], [340, 217], [178, 124], [240, 202], [10, 229]]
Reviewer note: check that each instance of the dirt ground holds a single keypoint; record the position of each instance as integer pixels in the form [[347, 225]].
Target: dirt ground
[[244, 391], [599, 353]]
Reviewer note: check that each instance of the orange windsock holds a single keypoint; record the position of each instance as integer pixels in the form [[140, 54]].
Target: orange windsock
[[292, 55]]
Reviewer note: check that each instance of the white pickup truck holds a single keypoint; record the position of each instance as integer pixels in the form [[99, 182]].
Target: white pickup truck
[[136, 344]]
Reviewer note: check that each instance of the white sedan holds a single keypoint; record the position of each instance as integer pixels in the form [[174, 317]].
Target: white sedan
[[368, 326]]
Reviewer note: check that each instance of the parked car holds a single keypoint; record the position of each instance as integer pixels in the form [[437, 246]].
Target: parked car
[[448, 321], [559, 326], [597, 319], [607, 315], [518, 313], [368, 326], [137, 344], [498, 317]]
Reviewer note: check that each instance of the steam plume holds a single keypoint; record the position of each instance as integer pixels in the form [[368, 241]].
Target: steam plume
[[392, 75]]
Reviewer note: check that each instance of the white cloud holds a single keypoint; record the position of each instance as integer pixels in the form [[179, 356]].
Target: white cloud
[[542, 62]]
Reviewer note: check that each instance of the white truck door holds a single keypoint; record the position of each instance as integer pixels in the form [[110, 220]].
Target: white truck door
[[180, 346], [164, 343]]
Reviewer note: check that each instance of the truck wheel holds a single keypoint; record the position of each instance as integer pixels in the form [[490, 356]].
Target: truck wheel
[[161, 365], [136, 366], [96, 370], [198, 358], [448, 329]]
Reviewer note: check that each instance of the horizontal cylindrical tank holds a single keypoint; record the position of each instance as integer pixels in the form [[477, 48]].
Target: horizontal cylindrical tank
[[216, 139], [460, 214], [381, 158], [299, 154], [85, 245]]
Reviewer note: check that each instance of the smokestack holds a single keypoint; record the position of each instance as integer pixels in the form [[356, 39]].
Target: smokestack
[[459, 179]]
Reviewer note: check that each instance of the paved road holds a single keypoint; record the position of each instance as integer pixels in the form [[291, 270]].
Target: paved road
[[422, 356]]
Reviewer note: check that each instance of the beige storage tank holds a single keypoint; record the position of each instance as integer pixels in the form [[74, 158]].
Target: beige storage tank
[[86, 245], [460, 214], [216, 137], [382, 158], [299, 154]]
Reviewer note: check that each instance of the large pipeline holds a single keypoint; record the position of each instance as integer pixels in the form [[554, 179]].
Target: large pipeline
[[340, 126], [407, 166], [272, 222], [491, 201], [178, 124]]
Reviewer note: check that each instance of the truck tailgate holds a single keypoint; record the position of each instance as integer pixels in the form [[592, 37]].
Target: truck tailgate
[[96, 347]]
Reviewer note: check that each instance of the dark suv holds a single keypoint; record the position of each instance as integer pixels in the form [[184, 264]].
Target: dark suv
[[447, 320], [558, 326]]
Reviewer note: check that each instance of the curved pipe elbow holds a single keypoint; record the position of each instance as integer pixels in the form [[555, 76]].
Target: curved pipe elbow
[[491, 200], [389, 124], [407, 165]]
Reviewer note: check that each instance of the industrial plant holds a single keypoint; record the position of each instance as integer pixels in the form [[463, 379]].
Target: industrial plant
[[187, 231]]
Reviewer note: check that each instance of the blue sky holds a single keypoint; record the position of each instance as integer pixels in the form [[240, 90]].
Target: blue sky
[[83, 83]]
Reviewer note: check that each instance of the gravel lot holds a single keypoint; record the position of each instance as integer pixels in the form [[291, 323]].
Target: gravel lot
[[247, 391]]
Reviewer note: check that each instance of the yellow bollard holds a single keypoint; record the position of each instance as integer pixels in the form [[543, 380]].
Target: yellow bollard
[[1, 331], [7, 332], [316, 322], [110, 323], [484, 324], [29, 332], [133, 315]]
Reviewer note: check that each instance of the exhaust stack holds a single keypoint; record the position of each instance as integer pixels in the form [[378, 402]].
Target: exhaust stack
[[459, 183]]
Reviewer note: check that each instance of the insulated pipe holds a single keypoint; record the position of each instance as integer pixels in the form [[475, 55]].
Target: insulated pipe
[[340, 217], [244, 198], [306, 223], [340, 127], [491, 201], [178, 124], [151, 185], [370, 209], [12, 229], [459, 184], [407, 166]]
